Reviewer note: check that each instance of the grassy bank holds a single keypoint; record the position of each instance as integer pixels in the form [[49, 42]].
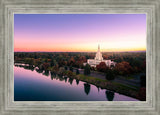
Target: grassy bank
[[109, 85]]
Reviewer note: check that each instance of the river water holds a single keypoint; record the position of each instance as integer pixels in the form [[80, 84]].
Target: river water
[[30, 85]]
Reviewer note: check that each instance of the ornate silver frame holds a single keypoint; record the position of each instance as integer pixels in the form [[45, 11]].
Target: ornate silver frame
[[7, 10]]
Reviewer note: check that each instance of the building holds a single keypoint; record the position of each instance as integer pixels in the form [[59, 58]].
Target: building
[[98, 59]]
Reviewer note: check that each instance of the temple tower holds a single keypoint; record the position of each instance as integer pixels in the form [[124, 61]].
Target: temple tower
[[99, 55]]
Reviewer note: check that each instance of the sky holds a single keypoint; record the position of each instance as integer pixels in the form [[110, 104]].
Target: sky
[[79, 32]]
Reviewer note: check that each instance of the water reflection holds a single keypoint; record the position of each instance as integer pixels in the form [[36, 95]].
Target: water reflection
[[77, 81], [46, 73], [70, 80], [26, 66], [65, 79], [109, 95], [39, 70], [53, 75], [97, 88], [74, 91], [87, 88], [61, 78], [29, 68]]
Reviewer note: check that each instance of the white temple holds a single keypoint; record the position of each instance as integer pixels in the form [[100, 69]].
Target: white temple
[[98, 59]]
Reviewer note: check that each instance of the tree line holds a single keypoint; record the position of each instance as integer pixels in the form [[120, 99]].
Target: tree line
[[126, 62]]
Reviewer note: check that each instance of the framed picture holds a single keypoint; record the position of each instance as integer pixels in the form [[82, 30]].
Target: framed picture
[[79, 57]]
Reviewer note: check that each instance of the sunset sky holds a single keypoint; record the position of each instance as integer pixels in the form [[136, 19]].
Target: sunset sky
[[79, 32]]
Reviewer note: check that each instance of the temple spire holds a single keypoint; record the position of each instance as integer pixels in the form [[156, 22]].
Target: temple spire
[[98, 48], [98, 54]]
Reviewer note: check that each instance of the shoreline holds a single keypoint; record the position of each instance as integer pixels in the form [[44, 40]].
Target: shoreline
[[103, 84]]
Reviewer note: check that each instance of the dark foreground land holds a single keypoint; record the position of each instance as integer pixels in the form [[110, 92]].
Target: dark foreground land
[[127, 77]]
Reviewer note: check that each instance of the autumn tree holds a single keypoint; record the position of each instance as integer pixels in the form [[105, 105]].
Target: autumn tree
[[102, 67], [55, 68], [83, 59], [45, 66], [123, 68], [61, 71], [71, 61]]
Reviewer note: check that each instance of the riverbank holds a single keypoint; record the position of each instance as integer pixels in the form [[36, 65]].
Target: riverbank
[[101, 83], [130, 81], [105, 84]]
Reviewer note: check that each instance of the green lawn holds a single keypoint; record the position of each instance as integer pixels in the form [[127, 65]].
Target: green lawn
[[109, 85]]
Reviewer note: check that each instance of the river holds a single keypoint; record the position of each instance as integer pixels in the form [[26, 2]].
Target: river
[[30, 85]]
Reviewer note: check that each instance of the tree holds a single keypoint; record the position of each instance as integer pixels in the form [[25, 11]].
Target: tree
[[37, 62], [87, 69], [45, 66], [123, 68], [61, 71], [46, 60], [77, 71], [66, 68], [55, 68], [110, 75], [52, 62], [143, 80], [71, 61], [29, 61], [102, 67], [71, 68], [142, 94], [93, 68], [70, 73]]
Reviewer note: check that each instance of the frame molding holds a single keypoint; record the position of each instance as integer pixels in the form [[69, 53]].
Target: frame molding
[[10, 7]]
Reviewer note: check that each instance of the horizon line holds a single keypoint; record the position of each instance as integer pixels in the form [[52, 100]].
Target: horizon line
[[78, 51]]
